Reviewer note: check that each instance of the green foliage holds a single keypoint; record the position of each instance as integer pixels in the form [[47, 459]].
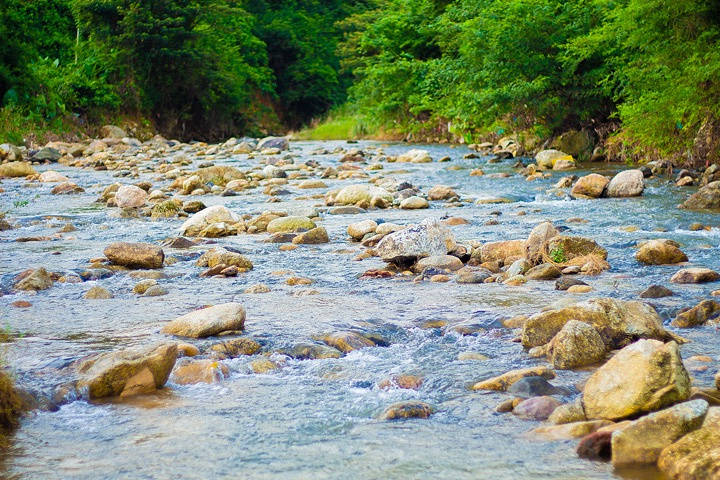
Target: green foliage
[[557, 255]]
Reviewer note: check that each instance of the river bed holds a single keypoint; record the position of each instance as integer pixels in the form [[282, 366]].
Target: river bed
[[318, 418]]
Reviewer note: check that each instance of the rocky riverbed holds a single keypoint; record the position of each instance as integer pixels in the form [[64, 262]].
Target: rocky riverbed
[[365, 310]]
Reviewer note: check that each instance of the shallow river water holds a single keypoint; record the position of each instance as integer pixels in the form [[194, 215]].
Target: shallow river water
[[318, 418]]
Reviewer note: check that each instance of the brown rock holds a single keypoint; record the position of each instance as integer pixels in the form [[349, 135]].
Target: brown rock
[[697, 315], [208, 321], [409, 409], [589, 186], [659, 252], [135, 254], [199, 371], [643, 377], [503, 382], [695, 275]]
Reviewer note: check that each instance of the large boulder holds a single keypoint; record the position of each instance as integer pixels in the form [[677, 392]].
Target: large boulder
[[578, 344], [427, 239], [576, 143], [618, 322], [135, 254], [130, 196], [547, 159], [570, 247], [629, 183], [127, 372], [660, 252], [708, 197], [492, 251], [281, 143], [537, 242], [353, 194], [195, 225], [16, 169], [643, 440], [696, 456], [589, 186], [51, 176], [641, 378], [206, 322]]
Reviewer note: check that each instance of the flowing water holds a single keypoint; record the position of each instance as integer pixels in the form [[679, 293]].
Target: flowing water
[[318, 418]]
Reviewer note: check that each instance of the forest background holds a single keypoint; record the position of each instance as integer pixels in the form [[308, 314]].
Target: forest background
[[641, 77]]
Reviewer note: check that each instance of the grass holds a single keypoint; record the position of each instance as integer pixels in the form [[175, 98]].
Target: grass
[[337, 128]]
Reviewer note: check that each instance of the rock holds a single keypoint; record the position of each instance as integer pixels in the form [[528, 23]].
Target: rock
[[427, 239], [595, 446], [695, 275], [545, 271], [97, 293], [219, 255], [310, 351], [346, 342], [311, 184], [618, 322], [589, 186], [572, 247], [190, 372], [643, 377], [38, 279], [445, 262], [696, 456], [536, 386], [698, 315], [504, 381], [10, 153], [656, 291], [536, 243], [271, 171], [66, 188], [112, 131], [472, 275], [358, 230], [126, 372], [441, 192], [47, 154], [707, 198], [166, 209], [51, 176], [579, 289], [135, 254], [660, 252], [564, 164], [195, 225], [536, 408], [408, 409], [193, 206], [130, 196], [415, 156], [311, 237], [353, 194], [280, 143], [16, 169], [414, 203], [546, 159], [628, 183], [155, 291], [403, 381], [263, 365], [643, 440], [565, 283], [209, 321], [578, 344], [515, 281], [492, 251], [236, 347], [290, 225], [568, 430], [569, 413]]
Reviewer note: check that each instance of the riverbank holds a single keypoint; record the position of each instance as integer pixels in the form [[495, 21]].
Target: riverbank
[[343, 324]]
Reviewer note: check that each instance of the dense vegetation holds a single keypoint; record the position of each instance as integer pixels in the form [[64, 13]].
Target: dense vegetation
[[646, 71]]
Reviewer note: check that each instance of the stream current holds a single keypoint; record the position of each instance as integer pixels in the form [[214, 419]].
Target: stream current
[[315, 419]]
